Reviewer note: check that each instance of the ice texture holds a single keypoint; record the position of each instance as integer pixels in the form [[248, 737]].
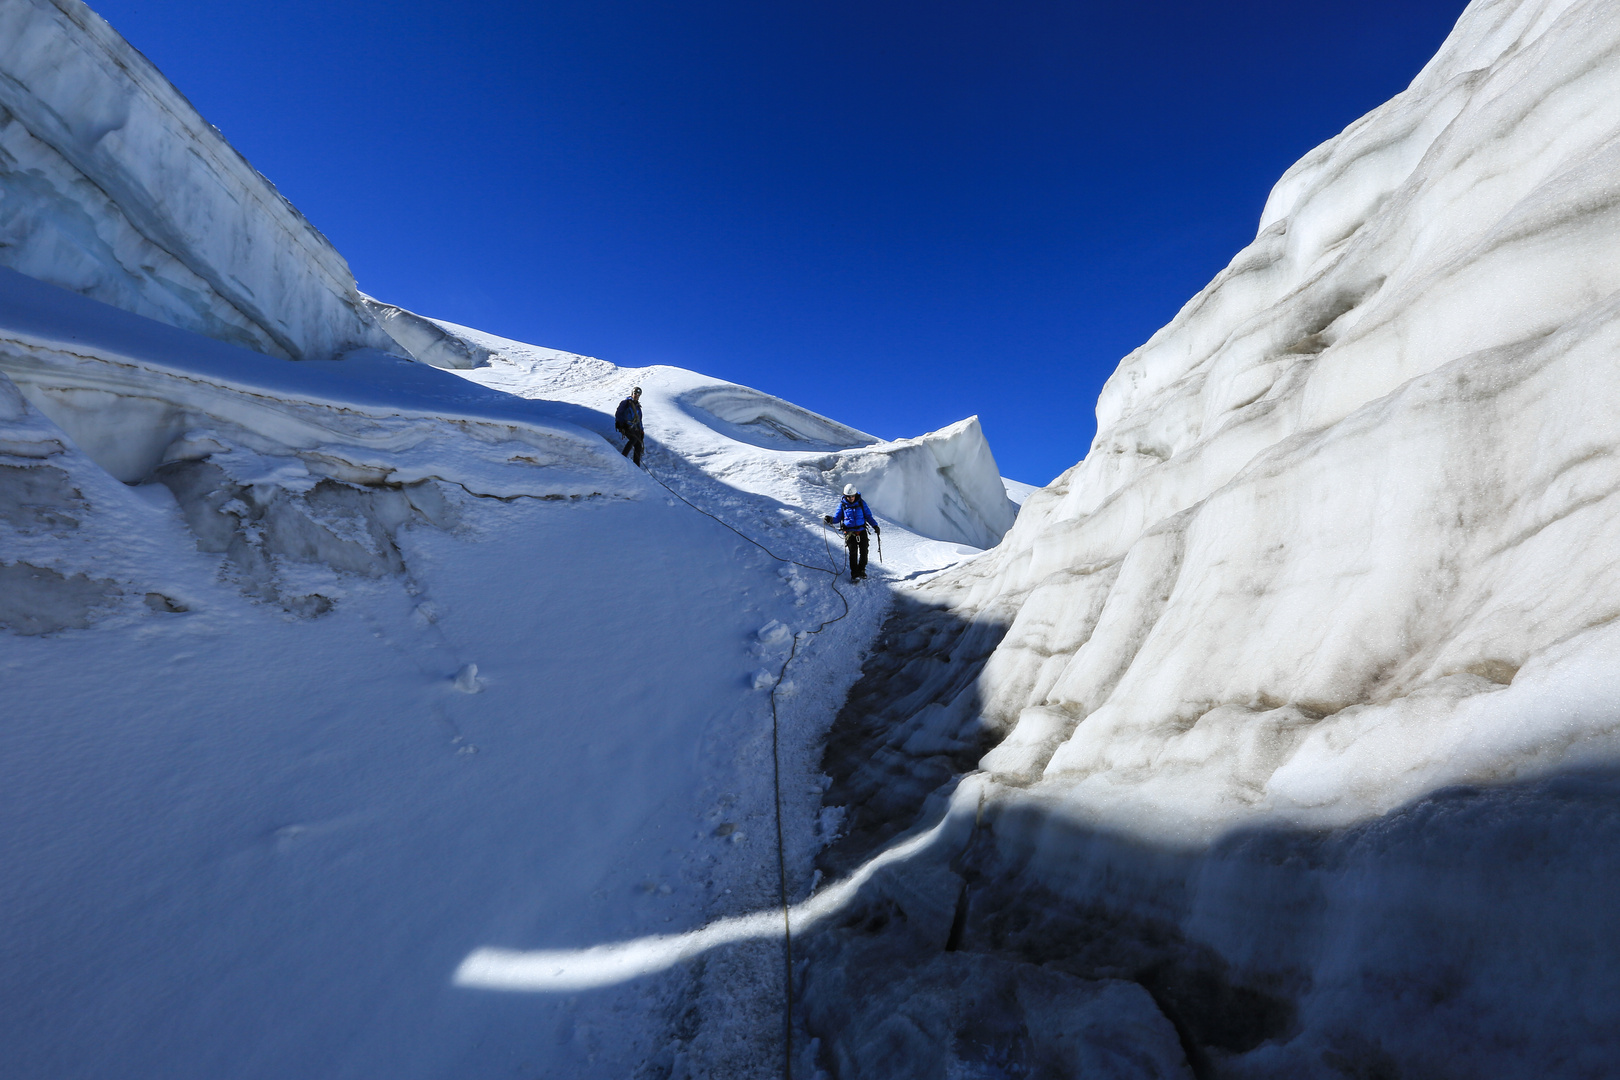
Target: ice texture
[[136, 395], [298, 474], [1307, 710], [39, 600], [113, 186], [1361, 480], [428, 341], [944, 484]]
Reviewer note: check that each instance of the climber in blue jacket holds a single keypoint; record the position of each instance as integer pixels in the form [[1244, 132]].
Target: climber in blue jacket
[[853, 516]]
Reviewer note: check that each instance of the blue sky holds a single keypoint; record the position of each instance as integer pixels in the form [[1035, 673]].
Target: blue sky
[[897, 214]]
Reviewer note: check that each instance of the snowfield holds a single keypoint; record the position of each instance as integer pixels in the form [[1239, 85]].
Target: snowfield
[[323, 677]]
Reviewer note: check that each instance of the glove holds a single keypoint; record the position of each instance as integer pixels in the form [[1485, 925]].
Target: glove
[[827, 518], [877, 530]]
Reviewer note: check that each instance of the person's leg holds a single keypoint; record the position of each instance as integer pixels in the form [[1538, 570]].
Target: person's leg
[[861, 536], [850, 543], [638, 441]]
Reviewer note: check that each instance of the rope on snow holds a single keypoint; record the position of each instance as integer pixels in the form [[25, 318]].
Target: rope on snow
[[776, 761]]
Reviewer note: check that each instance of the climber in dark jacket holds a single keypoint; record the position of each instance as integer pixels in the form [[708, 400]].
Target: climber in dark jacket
[[628, 422], [853, 516]]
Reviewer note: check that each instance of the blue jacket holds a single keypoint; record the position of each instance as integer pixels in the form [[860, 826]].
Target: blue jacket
[[853, 516], [629, 415]]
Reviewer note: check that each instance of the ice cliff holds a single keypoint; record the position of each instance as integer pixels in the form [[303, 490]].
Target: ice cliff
[[113, 186], [1344, 541], [1362, 479]]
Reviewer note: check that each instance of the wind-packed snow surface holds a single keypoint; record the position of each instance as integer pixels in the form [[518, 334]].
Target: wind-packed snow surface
[[1308, 705], [322, 677]]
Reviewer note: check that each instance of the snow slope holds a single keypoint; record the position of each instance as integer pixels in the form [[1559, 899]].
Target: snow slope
[[113, 186], [321, 677], [1344, 542]]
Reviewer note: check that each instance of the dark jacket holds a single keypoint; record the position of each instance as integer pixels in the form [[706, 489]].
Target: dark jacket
[[854, 516], [628, 418]]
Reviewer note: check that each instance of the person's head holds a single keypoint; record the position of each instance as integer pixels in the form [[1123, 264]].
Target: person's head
[[850, 493], [635, 392]]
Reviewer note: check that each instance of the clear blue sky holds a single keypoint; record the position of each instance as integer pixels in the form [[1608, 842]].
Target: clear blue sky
[[895, 213]]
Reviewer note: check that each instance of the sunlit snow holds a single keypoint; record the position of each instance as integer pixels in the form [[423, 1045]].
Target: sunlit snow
[[343, 690]]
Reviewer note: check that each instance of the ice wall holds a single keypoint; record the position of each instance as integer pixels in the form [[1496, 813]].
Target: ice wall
[[426, 340], [113, 186], [1307, 710], [1362, 480], [944, 484], [272, 463]]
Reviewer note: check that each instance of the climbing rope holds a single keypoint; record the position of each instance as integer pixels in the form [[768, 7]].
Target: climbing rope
[[776, 763]]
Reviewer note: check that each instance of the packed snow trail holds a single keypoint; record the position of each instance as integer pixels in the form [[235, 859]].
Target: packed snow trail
[[776, 777]]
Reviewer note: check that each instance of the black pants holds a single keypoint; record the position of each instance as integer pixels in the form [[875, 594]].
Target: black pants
[[856, 541], [633, 442]]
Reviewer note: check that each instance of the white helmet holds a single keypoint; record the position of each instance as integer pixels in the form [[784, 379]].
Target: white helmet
[[849, 489]]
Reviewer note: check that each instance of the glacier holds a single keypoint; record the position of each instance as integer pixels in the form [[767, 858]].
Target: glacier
[[369, 714], [1378, 443]]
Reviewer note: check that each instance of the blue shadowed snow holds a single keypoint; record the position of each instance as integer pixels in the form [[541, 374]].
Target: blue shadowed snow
[[368, 380]]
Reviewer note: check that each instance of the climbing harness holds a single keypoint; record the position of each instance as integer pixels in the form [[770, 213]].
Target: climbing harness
[[776, 761]]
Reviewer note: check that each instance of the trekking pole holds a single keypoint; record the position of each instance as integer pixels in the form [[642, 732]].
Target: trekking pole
[[880, 546]]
